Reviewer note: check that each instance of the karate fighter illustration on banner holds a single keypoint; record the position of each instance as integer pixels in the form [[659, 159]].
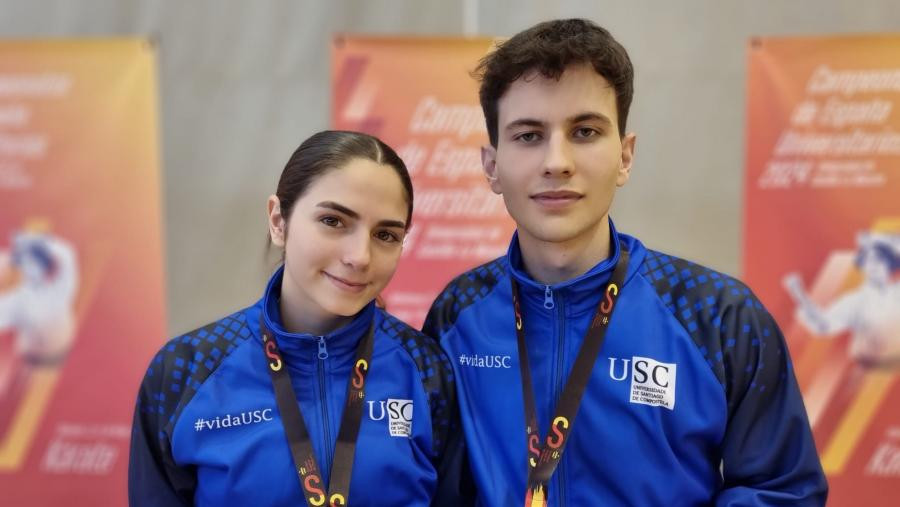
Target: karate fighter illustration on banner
[[38, 286], [870, 312]]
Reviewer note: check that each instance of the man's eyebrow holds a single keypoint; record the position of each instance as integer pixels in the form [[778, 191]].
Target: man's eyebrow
[[354, 215], [591, 116], [523, 122], [578, 118]]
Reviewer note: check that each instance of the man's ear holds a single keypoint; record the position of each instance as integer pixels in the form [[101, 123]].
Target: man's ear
[[627, 158], [277, 223], [489, 165]]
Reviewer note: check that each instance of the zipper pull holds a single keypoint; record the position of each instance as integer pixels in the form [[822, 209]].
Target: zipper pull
[[548, 298], [323, 351]]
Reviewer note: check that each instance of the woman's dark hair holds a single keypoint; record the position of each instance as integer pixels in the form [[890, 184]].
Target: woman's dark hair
[[331, 149], [549, 48]]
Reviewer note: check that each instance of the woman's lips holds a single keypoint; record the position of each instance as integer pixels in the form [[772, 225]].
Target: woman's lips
[[344, 284]]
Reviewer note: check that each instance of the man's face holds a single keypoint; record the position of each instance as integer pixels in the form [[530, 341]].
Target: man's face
[[559, 155]]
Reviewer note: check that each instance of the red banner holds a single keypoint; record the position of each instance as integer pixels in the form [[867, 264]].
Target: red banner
[[81, 279], [417, 95], [822, 241]]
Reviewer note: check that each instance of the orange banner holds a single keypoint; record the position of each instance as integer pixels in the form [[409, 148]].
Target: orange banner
[[418, 96], [81, 279], [822, 241]]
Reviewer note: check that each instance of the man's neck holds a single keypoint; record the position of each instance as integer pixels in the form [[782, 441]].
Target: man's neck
[[553, 262]]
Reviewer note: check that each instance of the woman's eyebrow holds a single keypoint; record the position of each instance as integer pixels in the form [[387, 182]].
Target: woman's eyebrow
[[392, 223], [337, 207], [354, 215]]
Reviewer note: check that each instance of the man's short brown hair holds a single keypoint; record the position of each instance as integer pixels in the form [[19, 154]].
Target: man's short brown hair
[[549, 48]]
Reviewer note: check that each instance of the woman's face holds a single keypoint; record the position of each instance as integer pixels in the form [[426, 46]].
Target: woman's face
[[343, 240]]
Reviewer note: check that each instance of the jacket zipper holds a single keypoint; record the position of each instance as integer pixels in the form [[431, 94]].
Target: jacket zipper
[[323, 395]]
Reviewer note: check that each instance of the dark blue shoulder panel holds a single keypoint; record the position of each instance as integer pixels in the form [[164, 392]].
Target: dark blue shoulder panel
[[185, 362], [171, 381], [463, 291], [726, 321]]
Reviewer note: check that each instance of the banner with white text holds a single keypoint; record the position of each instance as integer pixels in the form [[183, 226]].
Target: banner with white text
[[822, 241], [81, 277]]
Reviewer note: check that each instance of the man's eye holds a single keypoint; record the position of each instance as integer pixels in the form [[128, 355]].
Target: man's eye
[[331, 221], [585, 132], [527, 137]]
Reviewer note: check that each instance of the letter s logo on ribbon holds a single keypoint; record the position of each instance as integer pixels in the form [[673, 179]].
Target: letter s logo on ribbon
[[607, 305], [518, 317], [272, 353], [312, 484], [358, 379], [532, 449], [560, 436]]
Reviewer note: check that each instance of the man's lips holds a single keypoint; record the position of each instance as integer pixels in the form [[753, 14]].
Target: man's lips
[[556, 198], [345, 284]]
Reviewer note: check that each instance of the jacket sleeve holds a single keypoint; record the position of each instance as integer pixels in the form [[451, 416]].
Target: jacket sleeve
[[154, 479], [456, 487], [768, 453]]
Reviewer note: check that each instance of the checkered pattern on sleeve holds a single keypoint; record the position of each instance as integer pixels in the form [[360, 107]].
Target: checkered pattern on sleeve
[[185, 362], [732, 330], [463, 291]]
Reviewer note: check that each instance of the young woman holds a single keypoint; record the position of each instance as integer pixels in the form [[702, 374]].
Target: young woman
[[313, 394]]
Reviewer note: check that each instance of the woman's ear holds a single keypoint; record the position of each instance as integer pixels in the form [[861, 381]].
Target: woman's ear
[[277, 223]]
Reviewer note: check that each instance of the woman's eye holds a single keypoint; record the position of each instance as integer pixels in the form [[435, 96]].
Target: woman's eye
[[387, 236], [331, 221]]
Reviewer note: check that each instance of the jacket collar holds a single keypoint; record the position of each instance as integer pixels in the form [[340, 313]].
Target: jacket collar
[[301, 350], [580, 294]]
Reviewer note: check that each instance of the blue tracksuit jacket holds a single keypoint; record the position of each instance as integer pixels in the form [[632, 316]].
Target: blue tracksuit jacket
[[207, 429], [692, 400]]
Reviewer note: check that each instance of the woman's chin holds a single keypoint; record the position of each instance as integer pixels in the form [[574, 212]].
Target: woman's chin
[[346, 308]]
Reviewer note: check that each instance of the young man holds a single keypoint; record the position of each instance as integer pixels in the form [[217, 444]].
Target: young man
[[591, 370]]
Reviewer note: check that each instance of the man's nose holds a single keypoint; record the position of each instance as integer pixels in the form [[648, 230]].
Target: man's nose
[[558, 160]]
